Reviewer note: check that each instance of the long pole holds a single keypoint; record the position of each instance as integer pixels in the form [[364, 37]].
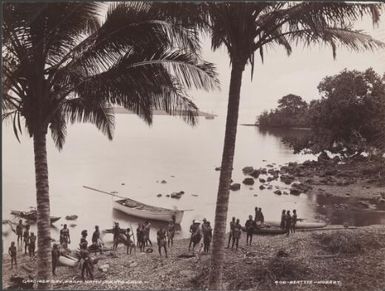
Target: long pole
[[104, 192]]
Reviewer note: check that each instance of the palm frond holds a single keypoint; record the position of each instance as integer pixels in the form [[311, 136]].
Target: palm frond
[[58, 129], [98, 113]]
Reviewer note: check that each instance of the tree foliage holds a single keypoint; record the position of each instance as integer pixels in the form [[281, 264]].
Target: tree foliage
[[292, 112], [350, 116], [61, 65]]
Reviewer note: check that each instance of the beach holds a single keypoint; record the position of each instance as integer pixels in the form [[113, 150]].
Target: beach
[[315, 260]]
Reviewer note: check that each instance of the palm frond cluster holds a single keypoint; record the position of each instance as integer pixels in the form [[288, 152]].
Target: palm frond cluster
[[61, 65]]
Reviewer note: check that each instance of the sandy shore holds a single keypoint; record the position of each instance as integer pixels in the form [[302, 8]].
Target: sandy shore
[[352, 259]]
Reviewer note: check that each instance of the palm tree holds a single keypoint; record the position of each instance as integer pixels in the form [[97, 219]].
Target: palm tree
[[61, 65], [249, 28]]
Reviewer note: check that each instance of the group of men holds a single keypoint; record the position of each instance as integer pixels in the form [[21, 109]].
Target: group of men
[[23, 236], [288, 221], [165, 237], [250, 226], [197, 231]]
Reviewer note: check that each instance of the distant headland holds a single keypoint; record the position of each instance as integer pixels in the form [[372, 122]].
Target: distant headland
[[121, 110]]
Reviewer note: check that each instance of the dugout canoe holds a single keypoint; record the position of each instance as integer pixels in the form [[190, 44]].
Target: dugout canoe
[[141, 210], [267, 231], [68, 261], [31, 215], [299, 224]]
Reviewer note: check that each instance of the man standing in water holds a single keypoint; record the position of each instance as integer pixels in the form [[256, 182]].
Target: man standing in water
[[231, 234], [19, 232], [65, 239], [26, 239], [288, 222]]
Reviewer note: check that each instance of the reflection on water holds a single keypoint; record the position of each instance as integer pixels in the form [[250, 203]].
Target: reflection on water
[[135, 162]]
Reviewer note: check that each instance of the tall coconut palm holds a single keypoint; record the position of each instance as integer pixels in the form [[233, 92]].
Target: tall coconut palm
[[249, 28], [60, 65]]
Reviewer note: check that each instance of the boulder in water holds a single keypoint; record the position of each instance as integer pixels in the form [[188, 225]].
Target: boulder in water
[[247, 170], [71, 217], [235, 187], [255, 173], [278, 192], [248, 181]]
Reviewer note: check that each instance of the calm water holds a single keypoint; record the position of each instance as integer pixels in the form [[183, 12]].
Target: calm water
[[135, 162]]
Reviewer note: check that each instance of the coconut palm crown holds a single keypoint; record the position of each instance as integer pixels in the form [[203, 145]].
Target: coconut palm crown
[[61, 65]]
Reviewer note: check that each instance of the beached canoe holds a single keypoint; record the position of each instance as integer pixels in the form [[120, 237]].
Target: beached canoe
[[31, 215], [66, 260], [138, 209], [267, 231], [299, 224]]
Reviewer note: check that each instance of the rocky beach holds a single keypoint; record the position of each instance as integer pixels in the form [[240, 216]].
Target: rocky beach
[[344, 259], [317, 260]]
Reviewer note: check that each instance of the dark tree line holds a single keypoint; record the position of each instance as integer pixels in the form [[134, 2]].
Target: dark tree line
[[348, 119], [292, 112]]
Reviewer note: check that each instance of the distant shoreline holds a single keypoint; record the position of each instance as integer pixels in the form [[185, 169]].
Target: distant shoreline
[[275, 127], [120, 110]]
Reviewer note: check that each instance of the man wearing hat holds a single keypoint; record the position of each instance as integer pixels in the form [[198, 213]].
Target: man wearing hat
[[85, 260]]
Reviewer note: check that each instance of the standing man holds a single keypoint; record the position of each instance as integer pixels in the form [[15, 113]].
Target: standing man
[[237, 234], [12, 251], [261, 217], [147, 228], [19, 232], [65, 239], [116, 232], [55, 258], [231, 235], [193, 228], [32, 244], [96, 241], [170, 233], [207, 236], [140, 237], [129, 242], [85, 260], [293, 221], [283, 219], [26, 239], [249, 226], [161, 239], [288, 222]]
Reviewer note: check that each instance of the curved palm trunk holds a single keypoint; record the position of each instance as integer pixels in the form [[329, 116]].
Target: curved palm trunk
[[216, 269], [43, 210]]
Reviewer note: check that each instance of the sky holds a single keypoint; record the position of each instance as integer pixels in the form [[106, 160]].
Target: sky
[[279, 75]]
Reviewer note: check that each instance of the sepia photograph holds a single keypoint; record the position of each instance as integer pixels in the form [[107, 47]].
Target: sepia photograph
[[193, 145]]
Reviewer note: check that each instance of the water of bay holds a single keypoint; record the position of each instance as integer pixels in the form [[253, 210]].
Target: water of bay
[[134, 164]]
